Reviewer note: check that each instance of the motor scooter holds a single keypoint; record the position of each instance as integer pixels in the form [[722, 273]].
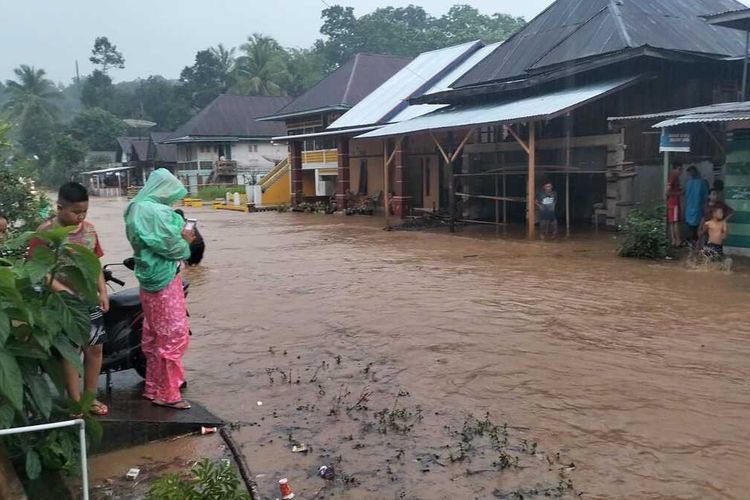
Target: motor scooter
[[124, 326]]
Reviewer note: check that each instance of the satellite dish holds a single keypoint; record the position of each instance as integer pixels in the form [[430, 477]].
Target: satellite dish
[[139, 123]]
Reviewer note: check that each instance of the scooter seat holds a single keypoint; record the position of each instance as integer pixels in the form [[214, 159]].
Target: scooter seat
[[125, 299]]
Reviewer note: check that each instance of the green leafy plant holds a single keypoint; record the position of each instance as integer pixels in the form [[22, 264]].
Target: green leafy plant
[[38, 329], [644, 235], [207, 481], [209, 193]]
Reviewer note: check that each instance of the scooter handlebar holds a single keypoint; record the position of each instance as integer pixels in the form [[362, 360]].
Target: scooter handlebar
[[118, 281], [108, 276]]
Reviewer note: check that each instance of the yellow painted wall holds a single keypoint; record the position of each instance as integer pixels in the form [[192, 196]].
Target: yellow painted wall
[[278, 193]]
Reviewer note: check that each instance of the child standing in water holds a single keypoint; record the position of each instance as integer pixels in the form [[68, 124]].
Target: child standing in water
[[717, 233]]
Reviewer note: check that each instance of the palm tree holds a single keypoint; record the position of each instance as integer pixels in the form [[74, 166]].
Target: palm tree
[[225, 57], [261, 71], [31, 96]]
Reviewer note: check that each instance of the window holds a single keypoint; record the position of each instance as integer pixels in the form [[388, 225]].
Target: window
[[487, 135], [253, 148]]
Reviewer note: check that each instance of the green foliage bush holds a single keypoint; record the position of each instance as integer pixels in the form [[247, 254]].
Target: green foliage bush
[[207, 481], [644, 235], [209, 193], [38, 329]]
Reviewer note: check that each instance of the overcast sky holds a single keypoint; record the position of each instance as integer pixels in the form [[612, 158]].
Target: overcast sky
[[162, 36]]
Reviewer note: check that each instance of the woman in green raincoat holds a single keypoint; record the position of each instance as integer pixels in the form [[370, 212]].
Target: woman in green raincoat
[[159, 243]]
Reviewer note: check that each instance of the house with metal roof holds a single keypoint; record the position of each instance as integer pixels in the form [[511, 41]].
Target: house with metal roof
[[361, 165], [313, 111], [226, 143], [535, 108]]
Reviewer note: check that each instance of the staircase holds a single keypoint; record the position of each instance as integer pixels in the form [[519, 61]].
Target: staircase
[[275, 174]]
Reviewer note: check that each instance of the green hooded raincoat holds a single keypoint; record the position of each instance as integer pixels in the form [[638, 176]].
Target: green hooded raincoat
[[155, 231]]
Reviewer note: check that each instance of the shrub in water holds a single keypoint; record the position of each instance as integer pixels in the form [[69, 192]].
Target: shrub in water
[[208, 481], [644, 235]]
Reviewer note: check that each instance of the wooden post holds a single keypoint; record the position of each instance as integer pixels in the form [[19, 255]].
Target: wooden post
[[497, 202], [451, 197], [531, 188], [567, 203], [567, 174], [343, 173], [386, 201], [505, 194]]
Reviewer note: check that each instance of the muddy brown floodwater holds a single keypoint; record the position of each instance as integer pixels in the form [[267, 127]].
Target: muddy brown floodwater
[[616, 378]]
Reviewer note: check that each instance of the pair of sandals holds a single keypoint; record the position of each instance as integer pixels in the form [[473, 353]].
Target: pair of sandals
[[98, 409], [182, 404]]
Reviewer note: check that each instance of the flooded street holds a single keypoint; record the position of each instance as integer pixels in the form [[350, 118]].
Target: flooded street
[[623, 379]]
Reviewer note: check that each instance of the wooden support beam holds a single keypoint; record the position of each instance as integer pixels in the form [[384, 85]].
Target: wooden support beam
[[440, 148], [531, 188], [488, 197], [714, 139], [386, 184], [526, 147], [461, 146], [398, 145], [568, 166]]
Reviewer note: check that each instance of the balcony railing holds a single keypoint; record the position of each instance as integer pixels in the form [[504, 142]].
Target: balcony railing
[[195, 165], [225, 168], [320, 156]]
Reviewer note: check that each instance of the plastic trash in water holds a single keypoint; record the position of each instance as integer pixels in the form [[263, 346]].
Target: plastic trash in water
[[208, 430], [327, 472], [285, 489], [300, 448], [133, 474]]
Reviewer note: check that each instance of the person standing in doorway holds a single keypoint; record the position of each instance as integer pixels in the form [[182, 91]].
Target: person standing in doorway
[[546, 201], [696, 192], [160, 242], [674, 197]]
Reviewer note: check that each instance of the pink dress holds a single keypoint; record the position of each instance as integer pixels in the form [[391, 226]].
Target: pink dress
[[165, 339]]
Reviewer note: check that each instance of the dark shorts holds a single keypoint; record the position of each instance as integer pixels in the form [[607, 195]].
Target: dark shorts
[[714, 250], [98, 332], [548, 226]]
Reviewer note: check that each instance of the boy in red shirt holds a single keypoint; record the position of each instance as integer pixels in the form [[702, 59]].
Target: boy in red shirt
[[72, 207]]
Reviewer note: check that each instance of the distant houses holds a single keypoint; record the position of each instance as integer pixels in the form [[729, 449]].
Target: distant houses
[[308, 116], [472, 131], [225, 143]]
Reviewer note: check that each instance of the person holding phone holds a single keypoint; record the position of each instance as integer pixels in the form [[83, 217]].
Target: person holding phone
[[160, 241]]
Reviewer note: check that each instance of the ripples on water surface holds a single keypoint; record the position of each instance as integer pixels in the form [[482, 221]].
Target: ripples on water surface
[[634, 371]]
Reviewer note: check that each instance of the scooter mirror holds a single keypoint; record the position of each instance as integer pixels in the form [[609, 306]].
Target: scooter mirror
[[129, 263]]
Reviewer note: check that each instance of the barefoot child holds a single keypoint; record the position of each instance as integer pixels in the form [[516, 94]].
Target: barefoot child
[[717, 232], [72, 206]]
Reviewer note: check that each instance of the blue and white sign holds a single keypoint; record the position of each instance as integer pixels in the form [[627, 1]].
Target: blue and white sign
[[674, 142]]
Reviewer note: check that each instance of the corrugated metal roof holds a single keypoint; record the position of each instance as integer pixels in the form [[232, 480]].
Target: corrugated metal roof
[[736, 19], [711, 108], [726, 116], [570, 30], [539, 107], [327, 133], [235, 116], [416, 77], [346, 86], [443, 84]]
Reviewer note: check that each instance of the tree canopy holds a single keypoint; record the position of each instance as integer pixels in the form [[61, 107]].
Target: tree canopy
[[54, 131], [105, 55]]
